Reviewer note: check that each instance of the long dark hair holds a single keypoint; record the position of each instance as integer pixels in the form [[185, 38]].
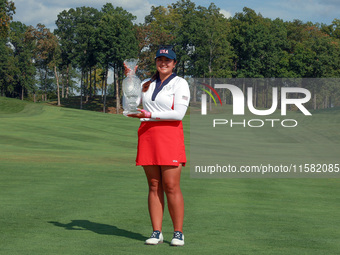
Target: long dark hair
[[146, 85]]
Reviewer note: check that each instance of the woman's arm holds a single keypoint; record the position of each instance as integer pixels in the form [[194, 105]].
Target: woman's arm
[[177, 113]]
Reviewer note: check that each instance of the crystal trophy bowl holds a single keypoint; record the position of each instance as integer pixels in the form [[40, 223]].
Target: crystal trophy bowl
[[132, 90]]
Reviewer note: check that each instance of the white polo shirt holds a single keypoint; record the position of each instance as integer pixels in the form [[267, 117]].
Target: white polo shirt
[[173, 92]]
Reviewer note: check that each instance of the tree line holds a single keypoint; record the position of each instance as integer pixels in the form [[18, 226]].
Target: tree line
[[36, 63]]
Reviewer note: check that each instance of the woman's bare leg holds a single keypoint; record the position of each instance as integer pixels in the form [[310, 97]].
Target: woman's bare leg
[[156, 196], [171, 176]]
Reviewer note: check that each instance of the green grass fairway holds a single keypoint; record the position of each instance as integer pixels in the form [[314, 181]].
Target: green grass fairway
[[69, 185]]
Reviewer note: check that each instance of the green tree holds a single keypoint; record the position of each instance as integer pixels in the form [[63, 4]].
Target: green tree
[[212, 55], [66, 35], [260, 45], [7, 69], [243, 39], [116, 41], [184, 33], [7, 9], [84, 57], [23, 47], [333, 29], [47, 54], [315, 54], [158, 29]]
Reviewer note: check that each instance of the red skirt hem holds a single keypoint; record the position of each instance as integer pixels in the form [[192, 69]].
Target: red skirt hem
[[161, 143]]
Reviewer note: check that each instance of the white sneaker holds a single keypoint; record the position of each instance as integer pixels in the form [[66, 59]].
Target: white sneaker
[[178, 239], [155, 238]]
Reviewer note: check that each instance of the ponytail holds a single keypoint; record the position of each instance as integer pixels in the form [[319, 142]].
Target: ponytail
[[146, 85]]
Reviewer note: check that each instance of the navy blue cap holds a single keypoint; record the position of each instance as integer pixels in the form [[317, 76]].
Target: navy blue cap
[[166, 51]]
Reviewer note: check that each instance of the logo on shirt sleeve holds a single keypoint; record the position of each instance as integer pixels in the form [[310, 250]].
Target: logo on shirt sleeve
[[185, 98]]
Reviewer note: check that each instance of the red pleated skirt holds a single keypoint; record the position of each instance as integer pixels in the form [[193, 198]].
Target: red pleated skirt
[[161, 143]]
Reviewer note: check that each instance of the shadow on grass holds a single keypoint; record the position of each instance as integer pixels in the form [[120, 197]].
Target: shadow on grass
[[99, 228]]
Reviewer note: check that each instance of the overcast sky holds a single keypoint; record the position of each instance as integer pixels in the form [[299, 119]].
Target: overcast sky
[[32, 12]]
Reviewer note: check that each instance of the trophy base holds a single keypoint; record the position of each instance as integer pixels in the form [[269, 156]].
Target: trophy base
[[125, 113]]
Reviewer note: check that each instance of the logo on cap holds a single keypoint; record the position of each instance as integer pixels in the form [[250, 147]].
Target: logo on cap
[[164, 51]]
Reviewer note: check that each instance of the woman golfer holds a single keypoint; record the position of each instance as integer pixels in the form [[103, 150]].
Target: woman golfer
[[161, 149]]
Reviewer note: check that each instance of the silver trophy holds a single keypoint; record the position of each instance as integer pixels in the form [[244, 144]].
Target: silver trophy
[[132, 89]]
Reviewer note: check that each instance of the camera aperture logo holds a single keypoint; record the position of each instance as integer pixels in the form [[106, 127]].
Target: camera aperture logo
[[204, 98], [239, 106]]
